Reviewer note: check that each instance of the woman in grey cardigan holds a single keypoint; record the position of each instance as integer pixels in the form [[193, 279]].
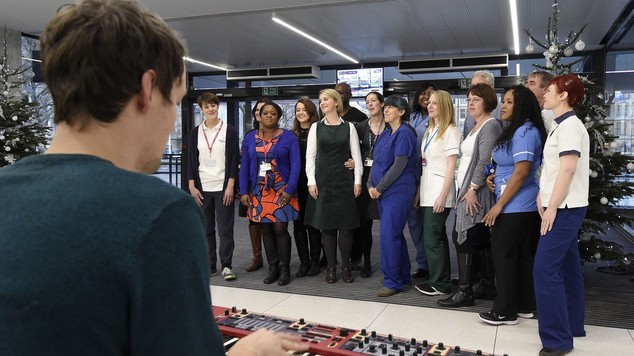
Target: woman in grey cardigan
[[472, 238]]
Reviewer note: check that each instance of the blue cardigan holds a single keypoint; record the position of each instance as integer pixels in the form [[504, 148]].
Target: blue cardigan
[[286, 154]]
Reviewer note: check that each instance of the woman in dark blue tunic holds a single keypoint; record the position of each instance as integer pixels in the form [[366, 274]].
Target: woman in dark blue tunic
[[393, 182]]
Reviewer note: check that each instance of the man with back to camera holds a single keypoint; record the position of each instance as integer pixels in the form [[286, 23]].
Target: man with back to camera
[[96, 258], [537, 82]]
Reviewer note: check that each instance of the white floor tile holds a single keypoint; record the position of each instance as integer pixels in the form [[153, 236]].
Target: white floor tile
[[253, 300], [337, 312], [517, 340], [604, 341]]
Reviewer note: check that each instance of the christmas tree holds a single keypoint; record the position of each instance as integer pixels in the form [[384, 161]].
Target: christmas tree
[[21, 133], [606, 163]]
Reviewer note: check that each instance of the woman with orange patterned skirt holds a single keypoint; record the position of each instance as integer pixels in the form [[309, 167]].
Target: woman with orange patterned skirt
[[268, 182]]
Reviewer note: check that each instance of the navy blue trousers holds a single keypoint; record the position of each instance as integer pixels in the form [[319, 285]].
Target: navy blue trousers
[[559, 281], [395, 263]]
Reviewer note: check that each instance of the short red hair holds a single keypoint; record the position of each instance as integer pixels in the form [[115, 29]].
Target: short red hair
[[573, 85]]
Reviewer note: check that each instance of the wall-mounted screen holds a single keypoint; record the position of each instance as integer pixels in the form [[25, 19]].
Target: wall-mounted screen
[[362, 80]]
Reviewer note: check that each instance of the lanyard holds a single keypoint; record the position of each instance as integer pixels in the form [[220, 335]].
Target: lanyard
[[210, 147], [417, 120], [376, 138], [267, 144], [430, 137]]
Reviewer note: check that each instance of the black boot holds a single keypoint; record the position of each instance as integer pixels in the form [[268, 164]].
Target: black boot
[[314, 239], [285, 275], [463, 297], [486, 288], [274, 273], [301, 242]]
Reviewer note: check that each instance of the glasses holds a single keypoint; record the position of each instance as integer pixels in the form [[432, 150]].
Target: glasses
[[474, 100], [341, 92]]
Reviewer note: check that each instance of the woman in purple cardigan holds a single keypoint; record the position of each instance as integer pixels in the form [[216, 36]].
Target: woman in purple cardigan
[[268, 182]]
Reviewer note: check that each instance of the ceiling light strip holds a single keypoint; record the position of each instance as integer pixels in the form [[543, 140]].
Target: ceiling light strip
[[323, 44], [516, 35], [189, 59]]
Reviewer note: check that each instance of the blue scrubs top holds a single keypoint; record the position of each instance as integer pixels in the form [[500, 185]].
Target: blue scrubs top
[[526, 145], [387, 148]]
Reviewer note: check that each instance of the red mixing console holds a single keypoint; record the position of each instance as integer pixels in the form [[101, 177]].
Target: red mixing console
[[330, 340]]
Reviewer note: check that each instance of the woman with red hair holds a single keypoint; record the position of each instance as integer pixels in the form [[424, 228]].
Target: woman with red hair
[[562, 203]]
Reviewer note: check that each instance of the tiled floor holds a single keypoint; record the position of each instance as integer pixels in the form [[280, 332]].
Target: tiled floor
[[435, 325]]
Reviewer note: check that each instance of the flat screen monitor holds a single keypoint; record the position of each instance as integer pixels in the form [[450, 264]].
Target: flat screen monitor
[[362, 80]]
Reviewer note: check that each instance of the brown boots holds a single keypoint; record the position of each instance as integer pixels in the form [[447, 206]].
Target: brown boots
[[256, 244]]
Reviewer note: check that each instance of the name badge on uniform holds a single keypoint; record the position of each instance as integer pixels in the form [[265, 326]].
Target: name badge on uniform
[[208, 162], [502, 188], [368, 162], [423, 161], [264, 167]]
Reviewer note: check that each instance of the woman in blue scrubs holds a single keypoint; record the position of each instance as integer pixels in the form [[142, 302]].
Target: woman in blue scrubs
[[393, 182]]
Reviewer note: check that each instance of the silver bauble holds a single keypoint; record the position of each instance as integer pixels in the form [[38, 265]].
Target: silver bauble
[[603, 200], [580, 45], [630, 166], [568, 52], [530, 48], [597, 256]]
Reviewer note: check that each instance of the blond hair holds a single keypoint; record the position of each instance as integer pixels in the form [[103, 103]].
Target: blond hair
[[445, 118]]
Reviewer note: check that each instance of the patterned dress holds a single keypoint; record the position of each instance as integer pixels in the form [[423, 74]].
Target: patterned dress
[[266, 204]]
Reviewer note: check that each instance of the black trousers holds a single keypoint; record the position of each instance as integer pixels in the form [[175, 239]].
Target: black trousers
[[219, 218], [513, 261]]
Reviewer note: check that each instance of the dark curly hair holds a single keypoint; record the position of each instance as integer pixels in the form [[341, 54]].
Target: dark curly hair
[[525, 108]]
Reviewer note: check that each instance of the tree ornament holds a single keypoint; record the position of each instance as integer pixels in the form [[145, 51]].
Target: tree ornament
[[626, 261], [7, 148], [585, 237], [568, 52], [580, 45], [630, 166], [614, 144], [600, 96], [530, 48], [603, 200], [587, 119], [553, 49], [597, 256], [594, 174]]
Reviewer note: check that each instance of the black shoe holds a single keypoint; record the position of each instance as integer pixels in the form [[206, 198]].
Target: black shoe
[[315, 269], [428, 289], [285, 275], [356, 265], [463, 297], [494, 318], [366, 272], [274, 274], [485, 290], [421, 273], [549, 351], [213, 272], [303, 269]]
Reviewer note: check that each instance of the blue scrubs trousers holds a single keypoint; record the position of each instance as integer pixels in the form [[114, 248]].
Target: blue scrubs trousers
[[395, 263], [559, 290]]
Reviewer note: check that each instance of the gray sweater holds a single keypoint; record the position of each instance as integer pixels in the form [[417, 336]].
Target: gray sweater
[[476, 173]]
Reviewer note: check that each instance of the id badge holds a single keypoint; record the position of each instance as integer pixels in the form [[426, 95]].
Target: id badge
[[502, 187], [423, 161], [368, 162], [208, 162], [264, 167], [490, 169]]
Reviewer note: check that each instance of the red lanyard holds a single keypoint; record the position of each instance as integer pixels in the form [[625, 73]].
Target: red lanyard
[[268, 144], [210, 147]]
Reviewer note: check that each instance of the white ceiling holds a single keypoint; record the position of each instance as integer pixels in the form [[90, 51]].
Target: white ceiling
[[241, 34]]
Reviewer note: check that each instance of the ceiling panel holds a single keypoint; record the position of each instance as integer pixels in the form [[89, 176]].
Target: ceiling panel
[[241, 34]]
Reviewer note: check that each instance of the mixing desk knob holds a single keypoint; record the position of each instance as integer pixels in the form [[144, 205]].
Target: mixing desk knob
[[419, 350], [407, 348], [361, 344], [413, 341], [364, 332], [343, 332], [226, 312], [366, 340], [301, 321], [372, 348], [395, 346], [389, 337], [373, 334], [479, 352], [384, 351], [244, 311], [456, 350], [425, 344], [234, 309], [401, 353], [440, 346]]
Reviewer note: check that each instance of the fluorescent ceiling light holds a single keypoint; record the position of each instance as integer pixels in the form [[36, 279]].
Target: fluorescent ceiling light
[[323, 44], [203, 63], [516, 35]]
